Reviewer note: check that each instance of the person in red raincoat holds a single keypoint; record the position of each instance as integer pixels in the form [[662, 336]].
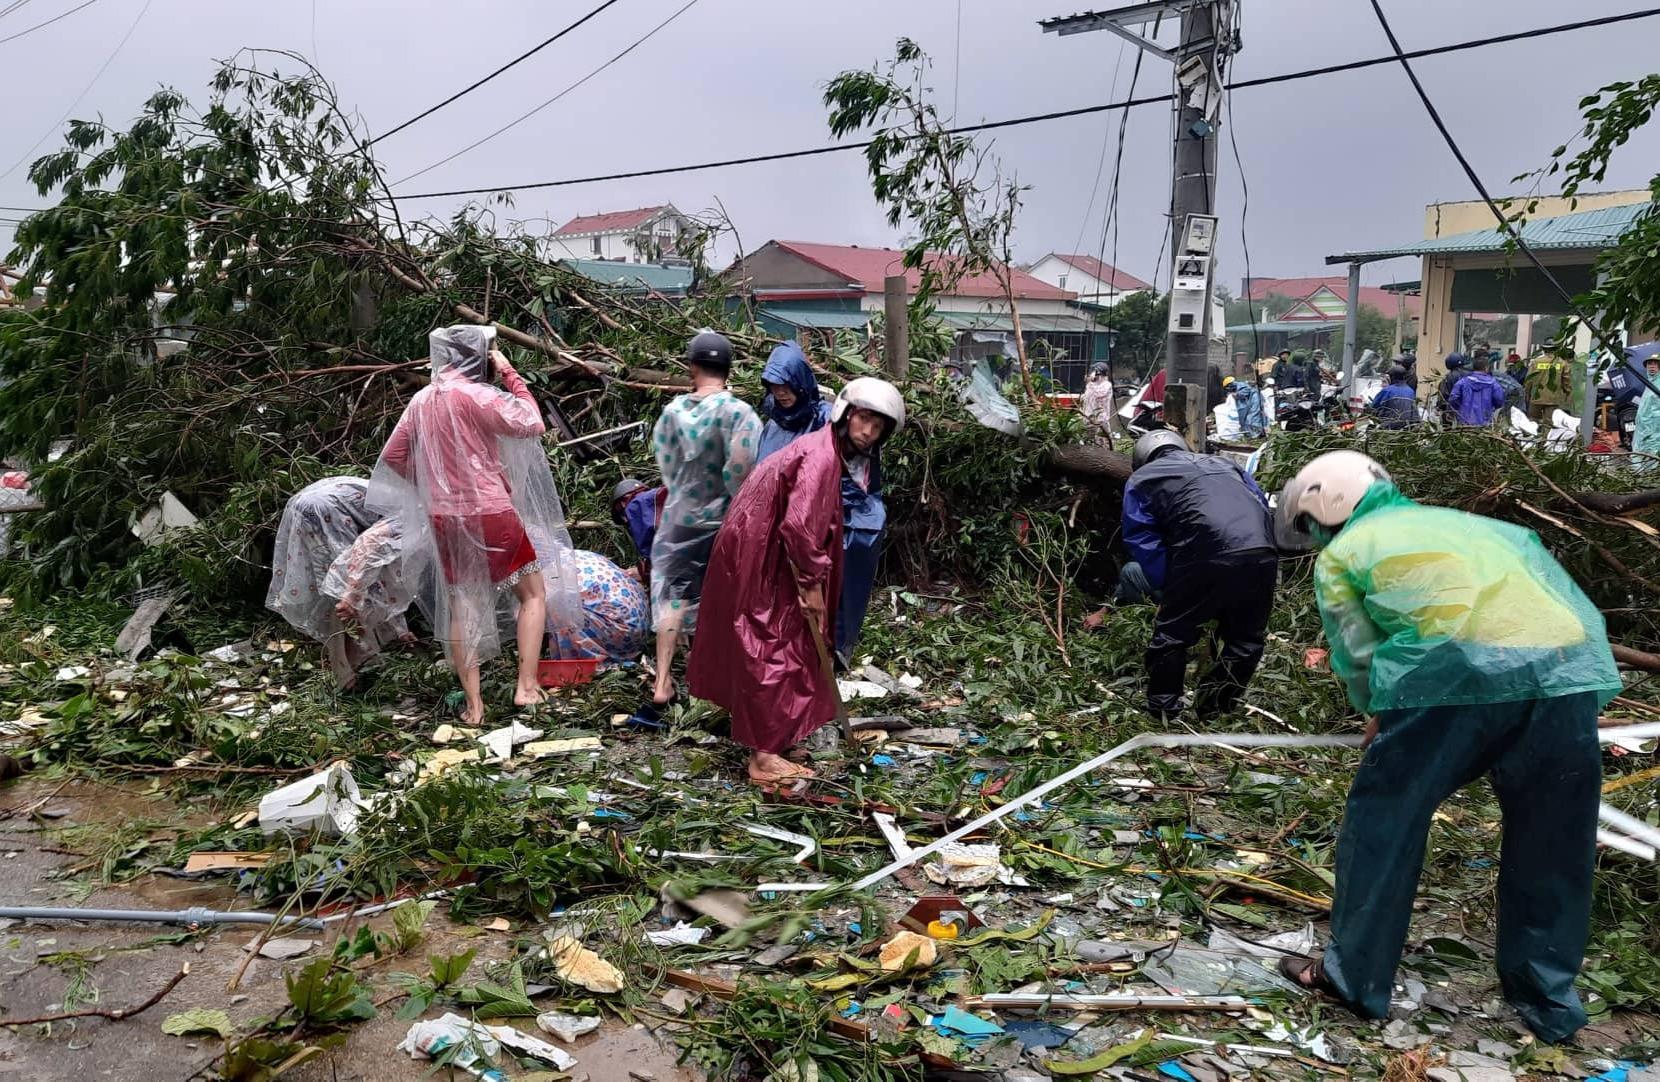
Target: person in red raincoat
[[776, 564]]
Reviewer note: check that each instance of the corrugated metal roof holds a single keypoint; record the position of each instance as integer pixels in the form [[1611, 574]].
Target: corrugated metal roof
[[816, 317], [1584, 229], [633, 275], [984, 321], [1286, 326]]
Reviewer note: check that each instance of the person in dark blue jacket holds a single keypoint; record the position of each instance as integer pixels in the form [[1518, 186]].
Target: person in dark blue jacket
[[636, 507], [1199, 528], [1396, 405], [792, 406]]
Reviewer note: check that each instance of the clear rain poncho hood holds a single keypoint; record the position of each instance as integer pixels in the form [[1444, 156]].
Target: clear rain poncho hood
[[465, 472]]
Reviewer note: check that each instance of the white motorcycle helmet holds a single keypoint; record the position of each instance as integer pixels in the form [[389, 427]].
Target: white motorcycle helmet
[[1324, 492], [876, 395]]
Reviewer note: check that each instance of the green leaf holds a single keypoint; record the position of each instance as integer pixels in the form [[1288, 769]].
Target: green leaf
[[449, 968], [201, 1020], [1104, 1060]]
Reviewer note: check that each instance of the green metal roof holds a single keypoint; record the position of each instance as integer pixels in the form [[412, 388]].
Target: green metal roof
[[818, 318], [638, 276], [990, 321], [1286, 326], [1584, 229]]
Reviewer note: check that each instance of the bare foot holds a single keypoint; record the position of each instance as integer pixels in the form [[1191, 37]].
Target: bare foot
[[798, 754], [472, 717], [531, 696], [662, 694], [765, 768]]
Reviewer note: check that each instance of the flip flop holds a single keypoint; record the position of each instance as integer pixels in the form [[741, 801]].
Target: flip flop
[[1309, 974]]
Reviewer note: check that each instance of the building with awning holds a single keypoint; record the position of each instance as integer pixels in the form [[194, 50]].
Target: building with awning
[[1470, 267]]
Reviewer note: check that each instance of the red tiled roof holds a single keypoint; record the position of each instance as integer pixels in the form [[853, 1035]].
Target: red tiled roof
[[869, 266], [1299, 288], [611, 222], [1104, 272]]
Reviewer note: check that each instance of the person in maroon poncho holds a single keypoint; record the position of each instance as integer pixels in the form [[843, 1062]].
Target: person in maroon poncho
[[777, 563]]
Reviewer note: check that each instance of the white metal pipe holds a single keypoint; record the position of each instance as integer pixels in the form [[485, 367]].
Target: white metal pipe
[[1614, 840], [178, 916]]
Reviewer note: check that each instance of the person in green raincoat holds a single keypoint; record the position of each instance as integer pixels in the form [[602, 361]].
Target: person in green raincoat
[[1476, 654], [1646, 439]]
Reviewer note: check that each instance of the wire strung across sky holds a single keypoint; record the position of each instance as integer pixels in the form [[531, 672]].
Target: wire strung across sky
[[522, 117], [48, 22], [468, 89], [1061, 114]]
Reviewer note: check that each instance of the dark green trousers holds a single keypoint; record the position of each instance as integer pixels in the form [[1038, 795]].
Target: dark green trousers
[[1545, 764]]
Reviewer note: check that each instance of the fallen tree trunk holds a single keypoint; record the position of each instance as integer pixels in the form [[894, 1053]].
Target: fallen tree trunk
[[1617, 503], [1091, 461], [1635, 659]]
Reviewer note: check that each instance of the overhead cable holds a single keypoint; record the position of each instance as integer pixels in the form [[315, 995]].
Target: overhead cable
[[49, 22], [1062, 114], [468, 89]]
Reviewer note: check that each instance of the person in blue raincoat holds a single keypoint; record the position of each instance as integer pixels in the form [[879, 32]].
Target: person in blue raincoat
[[792, 406], [1247, 400]]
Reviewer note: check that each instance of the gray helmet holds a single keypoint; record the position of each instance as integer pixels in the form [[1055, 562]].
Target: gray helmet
[[711, 350], [626, 490], [1099, 368], [1154, 444]]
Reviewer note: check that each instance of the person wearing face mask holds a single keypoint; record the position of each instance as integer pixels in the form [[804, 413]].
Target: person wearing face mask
[[774, 581]]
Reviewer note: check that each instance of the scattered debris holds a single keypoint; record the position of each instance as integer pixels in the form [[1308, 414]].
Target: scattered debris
[[567, 1027], [327, 802], [582, 967], [281, 949], [681, 935], [907, 950]]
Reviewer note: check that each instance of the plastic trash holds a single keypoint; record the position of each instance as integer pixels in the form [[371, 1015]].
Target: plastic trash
[[681, 935], [582, 967], [472, 1042], [566, 1027], [966, 865], [499, 743], [328, 802], [896, 952]]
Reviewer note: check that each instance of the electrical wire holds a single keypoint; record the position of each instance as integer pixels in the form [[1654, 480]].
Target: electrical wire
[[1106, 138], [1505, 225], [11, 7], [1244, 212], [1061, 114], [1110, 218], [526, 55], [522, 117], [99, 74], [48, 22]]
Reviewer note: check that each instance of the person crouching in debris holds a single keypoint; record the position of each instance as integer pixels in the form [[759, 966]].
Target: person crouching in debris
[[1247, 400], [616, 615], [321, 525], [774, 582], [465, 472], [1198, 528], [638, 508], [1476, 654]]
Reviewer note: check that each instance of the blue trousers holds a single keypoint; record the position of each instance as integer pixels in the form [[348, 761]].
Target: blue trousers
[[1545, 764]]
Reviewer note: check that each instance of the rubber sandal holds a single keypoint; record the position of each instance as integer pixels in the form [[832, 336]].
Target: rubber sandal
[[1308, 974]]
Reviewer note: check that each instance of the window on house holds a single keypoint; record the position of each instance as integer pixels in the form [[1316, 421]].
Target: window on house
[[1062, 283], [596, 244]]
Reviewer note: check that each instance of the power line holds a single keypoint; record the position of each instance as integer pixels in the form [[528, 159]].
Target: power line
[[1505, 224], [1062, 114], [1244, 212], [1101, 158], [522, 117], [474, 86], [11, 7], [99, 74], [48, 22]]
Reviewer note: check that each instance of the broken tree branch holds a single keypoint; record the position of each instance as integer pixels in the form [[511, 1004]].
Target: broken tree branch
[[98, 1012]]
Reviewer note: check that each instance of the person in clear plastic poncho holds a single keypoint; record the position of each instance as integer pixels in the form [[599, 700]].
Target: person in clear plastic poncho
[[706, 443], [1478, 655], [465, 472], [1645, 441], [328, 555]]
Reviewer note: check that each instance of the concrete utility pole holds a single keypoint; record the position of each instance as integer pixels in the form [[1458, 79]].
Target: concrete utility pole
[[896, 325], [1199, 79]]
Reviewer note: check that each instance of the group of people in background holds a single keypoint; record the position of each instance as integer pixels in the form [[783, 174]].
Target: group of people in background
[[771, 530]]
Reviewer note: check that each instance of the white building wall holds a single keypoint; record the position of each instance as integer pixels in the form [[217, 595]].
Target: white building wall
[[1090, 289]]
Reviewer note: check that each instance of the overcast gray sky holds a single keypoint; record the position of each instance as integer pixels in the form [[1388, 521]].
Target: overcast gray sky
[[1334, 164]]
